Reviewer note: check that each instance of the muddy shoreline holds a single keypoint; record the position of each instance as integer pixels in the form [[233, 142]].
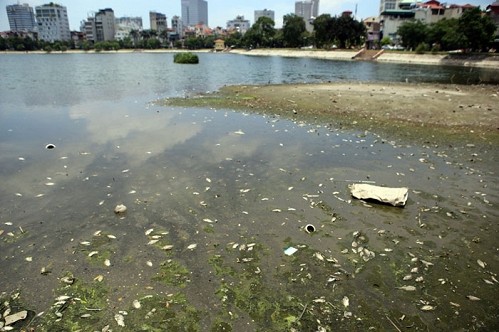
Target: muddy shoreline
[[414, 111]]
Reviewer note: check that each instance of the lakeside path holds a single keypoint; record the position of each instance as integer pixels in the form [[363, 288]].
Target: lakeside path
[[491, 62]]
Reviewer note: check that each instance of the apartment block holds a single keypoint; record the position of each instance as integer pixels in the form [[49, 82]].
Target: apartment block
[[53, 23]]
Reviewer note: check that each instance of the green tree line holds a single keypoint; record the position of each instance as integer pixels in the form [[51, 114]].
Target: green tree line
[[471, 31]]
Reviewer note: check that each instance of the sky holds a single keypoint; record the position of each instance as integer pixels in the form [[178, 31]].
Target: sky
[[219, 11]]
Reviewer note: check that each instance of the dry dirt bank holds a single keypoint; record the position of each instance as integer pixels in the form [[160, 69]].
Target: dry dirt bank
[[405, 109]]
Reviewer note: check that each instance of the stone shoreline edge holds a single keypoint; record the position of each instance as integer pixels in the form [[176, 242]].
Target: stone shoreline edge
[[485, 61]]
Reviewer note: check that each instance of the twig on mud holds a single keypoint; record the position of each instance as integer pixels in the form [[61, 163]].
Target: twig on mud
[[303, 312], [391, 321]]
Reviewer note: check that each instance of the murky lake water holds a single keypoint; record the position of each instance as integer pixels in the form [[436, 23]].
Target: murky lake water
[[230, 192]]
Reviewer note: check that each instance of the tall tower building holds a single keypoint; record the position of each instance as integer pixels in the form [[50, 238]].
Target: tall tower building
[[53, 23], [309, 10], [21, 17], [194, 12], [264, 13]]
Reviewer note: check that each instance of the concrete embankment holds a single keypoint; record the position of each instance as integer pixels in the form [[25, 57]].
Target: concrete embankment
[[389, 57]]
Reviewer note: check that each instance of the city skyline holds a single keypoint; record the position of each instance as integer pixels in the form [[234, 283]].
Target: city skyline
[[218, 13]]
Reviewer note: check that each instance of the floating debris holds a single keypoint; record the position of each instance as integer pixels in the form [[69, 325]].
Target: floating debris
[[120, 209], [290, 251], [11, 319], [107, 262], [239, 132], [136, 304], [392, 196], [50, 146]]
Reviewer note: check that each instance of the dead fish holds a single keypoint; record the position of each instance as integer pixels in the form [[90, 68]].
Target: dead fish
[[107, 262], [93, 253], [120, 208], [167, 247], [120, 319], [319, 256], [407, 288], [427, 308], [472, 298], [136, 304], [481, 263], [192, 246], [345, 301], [149, 231]]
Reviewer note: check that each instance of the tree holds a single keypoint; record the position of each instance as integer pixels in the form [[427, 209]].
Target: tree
[[293, 31], [413, 33], [324, 31], [234, 40], [446, 35], [134, 35], [478, 30], [261, 34]]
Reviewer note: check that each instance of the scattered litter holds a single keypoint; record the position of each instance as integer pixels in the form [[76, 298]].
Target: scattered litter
[[120, 208], [11, 319], [310, 228], [392, 196], [290, 251]]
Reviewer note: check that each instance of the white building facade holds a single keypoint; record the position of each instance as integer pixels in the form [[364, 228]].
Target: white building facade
[[53, 22], [238, 24]]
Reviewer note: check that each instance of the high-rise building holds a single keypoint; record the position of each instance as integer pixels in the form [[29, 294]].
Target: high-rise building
[[158, 21], [104, 25], [264, 13], [53, 23], [309, 10], [21, 17], [194, 12], [101, 25]]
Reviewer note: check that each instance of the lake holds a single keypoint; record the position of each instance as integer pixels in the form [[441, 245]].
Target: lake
[[215, 197]]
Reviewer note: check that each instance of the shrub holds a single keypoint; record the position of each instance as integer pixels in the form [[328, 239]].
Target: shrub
[[185, 57], [422, 48]]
